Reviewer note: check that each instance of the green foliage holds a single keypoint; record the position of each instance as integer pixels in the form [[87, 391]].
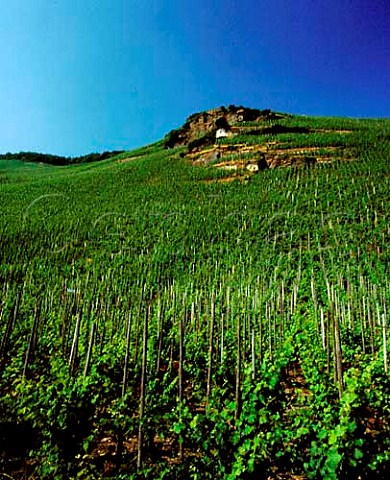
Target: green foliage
[[57, 160]]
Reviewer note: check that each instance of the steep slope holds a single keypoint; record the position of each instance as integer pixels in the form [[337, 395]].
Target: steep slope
[[158, 320]]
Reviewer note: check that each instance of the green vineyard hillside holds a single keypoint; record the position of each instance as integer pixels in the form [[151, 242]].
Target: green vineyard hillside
[[211, 306]]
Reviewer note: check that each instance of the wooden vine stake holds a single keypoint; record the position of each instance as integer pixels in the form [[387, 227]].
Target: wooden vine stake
[[10, 325], [338, 355], [32, 341], [238, 371], [142, 390], [159, 336], [384, 333], [90, 348], [210, 362], [182, 322], [253, 354], [75, 345], [323, 332], [127, 354]]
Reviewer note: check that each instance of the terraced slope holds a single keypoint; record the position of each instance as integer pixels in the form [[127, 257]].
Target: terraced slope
[[272, 140]]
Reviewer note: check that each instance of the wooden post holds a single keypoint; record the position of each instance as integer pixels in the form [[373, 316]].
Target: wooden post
[[143, 390]]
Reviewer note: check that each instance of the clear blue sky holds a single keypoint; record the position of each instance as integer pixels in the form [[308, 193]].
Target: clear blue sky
[[78, 76]]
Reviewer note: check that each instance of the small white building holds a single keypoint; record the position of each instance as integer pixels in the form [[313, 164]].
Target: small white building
[[221, 133]]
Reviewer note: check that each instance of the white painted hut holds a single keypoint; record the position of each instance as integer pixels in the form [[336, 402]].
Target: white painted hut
[[221, 133]]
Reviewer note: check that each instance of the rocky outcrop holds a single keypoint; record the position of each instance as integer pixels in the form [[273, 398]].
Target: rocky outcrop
[[200, 128], [275, 161], [204, 136]]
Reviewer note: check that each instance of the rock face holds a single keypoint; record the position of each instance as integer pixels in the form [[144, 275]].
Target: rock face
[[204, 136], [209, 157], [201, 128], [275, 161]]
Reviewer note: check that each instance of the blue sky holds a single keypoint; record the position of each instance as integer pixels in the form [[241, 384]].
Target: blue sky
[[80, 76]]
